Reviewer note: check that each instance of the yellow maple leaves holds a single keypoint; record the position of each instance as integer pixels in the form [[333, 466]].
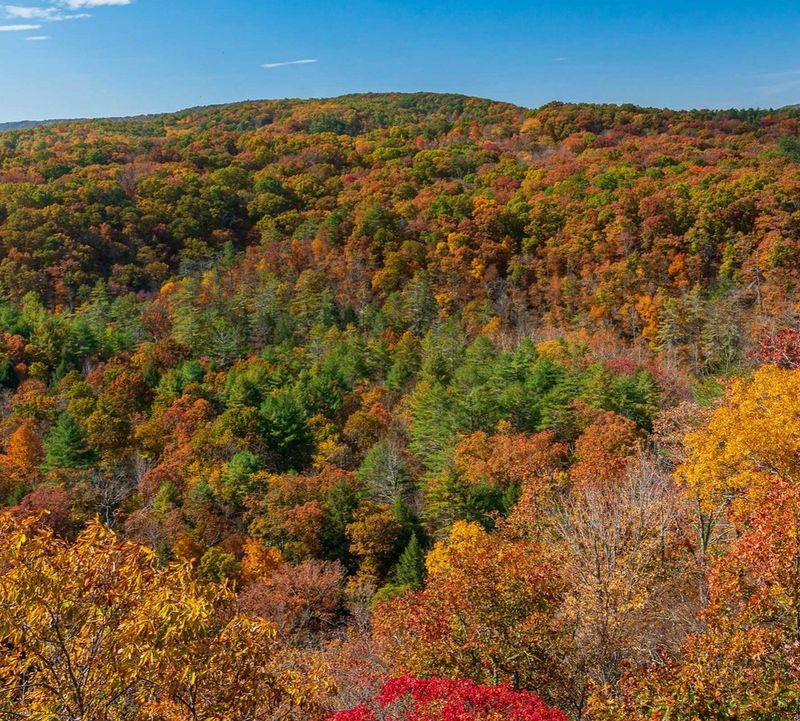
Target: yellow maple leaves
[[751, 441], [465, 539], [94, 629]]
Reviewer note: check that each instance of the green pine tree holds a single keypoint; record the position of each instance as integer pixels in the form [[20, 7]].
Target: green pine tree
[[411, 566], [433, 424], [288, 437], [340, 503], [66, 446]]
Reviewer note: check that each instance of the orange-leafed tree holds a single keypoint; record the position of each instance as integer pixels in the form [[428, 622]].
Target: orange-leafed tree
[[602, 449], [20, 463], [509, 459], [487, 612]]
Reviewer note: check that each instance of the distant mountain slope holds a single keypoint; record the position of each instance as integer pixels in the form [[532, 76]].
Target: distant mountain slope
[[424, 102], [572, 214], [27, 124], [434, 101], [22, 124]]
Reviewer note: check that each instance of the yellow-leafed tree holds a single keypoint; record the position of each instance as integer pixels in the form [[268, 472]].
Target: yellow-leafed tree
[[96, 630], [751, 441]]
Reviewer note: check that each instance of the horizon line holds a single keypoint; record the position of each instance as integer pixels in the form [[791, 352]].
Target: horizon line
[[310, 98]]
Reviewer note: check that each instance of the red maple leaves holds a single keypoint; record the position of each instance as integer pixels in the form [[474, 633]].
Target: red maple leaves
[[410, 698]]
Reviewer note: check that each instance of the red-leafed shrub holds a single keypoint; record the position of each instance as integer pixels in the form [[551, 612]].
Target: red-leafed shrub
[[781, 349], [408, 698]]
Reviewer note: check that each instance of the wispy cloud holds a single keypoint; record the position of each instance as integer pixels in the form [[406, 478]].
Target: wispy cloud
[[50, 11], [38, 38], [288, 62], [77, 4], [26, 13], [20, 12], [18, 28], [558, 60]]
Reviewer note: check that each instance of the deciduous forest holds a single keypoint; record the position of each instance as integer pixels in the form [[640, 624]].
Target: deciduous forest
[[398, 406]]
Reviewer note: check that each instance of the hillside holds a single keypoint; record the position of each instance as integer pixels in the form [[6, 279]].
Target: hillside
[[570, 214], [22, 124], [399, 387]]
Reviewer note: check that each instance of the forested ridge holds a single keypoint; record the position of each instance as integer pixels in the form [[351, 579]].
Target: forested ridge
[[401, 406]]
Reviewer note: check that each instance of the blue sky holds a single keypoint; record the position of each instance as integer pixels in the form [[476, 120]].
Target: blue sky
[[81, 58]]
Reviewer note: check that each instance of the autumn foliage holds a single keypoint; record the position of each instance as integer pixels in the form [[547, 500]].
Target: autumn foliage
[[304, 399], [435, 699], [94, 628]]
